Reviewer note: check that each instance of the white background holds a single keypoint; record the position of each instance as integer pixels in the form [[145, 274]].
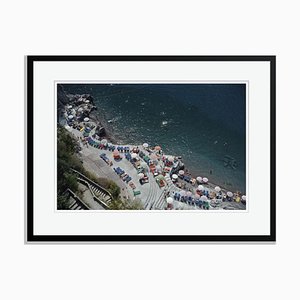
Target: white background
[[207, 271]]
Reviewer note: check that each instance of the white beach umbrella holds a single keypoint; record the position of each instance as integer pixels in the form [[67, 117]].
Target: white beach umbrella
[[141, 175], [158, 168], [189, 194], [183, 193], [145, 145], [174, 176], [244, 197], [217, 189], [103, 142], [229, 194], [86, 119], [200, 187], [134, 155], [199, 179], [170, 200], [205, 179], [181, 172], [70, 106], [170, 158], [203, 198], [197, 196], [70, 117]]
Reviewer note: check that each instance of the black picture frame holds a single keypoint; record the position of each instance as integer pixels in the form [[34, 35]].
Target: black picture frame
[[29, 231]]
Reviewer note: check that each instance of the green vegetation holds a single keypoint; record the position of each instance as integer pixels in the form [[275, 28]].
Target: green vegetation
[[120, 204], [67, 159]]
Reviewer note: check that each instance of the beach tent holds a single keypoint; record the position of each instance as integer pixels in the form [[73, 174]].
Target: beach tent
[[181, 172], [199, 179], [217, 189], [205, 180]]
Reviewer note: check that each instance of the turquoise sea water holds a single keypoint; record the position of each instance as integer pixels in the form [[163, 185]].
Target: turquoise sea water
[[204, 123]]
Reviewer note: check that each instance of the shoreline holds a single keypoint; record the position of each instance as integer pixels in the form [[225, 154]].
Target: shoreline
[[114, 140]]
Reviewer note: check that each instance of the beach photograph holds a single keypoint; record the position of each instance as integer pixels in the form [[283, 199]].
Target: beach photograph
[[151, 146]]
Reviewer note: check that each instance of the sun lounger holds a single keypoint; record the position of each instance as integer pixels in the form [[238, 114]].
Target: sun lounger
[[127, 179]]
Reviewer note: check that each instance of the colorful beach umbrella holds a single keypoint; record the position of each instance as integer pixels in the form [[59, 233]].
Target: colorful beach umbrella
[[160, 177]]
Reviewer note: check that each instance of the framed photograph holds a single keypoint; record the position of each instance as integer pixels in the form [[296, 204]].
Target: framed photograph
[[150, 149]]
